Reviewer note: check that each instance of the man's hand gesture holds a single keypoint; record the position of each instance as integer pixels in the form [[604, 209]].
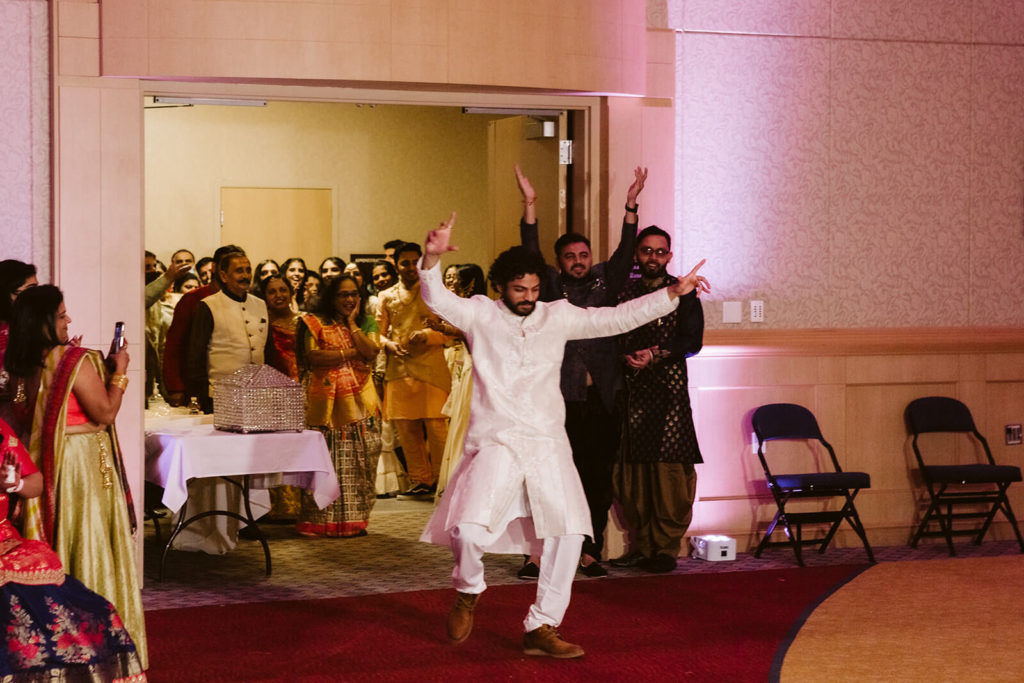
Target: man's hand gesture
[[690, 282], [639, 178], [437, 243]]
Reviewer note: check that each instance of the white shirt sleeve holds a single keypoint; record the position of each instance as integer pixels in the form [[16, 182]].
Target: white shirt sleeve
[[439, 299]]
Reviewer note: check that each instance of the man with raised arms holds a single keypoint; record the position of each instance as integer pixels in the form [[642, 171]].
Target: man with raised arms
[[516, 489]]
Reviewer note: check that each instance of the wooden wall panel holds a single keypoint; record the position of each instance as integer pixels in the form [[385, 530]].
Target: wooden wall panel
[[859, 400], [577, 46]]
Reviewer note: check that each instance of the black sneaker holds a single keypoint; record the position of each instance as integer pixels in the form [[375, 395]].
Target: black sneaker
[[594, 570], [630, 560], [659, 564], [528, 571]]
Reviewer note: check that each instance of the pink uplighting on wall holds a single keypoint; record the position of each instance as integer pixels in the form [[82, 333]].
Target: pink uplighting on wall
[[24, 130]]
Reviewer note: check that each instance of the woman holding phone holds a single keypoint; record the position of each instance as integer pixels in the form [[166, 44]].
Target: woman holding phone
[[85, 511]]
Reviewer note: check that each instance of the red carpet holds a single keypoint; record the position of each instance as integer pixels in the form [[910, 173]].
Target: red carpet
[[701, 627]]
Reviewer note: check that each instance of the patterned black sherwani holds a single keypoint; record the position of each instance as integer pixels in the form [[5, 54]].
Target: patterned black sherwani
[[656, 480]]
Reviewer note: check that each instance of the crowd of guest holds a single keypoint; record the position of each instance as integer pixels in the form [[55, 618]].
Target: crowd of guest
[[382, 376], [389, 383]]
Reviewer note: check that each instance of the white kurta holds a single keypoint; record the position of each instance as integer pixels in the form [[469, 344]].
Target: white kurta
[[516, 432]]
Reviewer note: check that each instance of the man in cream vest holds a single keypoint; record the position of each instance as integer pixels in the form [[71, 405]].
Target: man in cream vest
[[230, 330]]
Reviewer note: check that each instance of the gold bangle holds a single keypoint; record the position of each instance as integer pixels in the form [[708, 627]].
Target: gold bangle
[[120, 381]]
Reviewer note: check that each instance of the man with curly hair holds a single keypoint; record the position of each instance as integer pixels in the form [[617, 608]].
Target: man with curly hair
[[516, 489]]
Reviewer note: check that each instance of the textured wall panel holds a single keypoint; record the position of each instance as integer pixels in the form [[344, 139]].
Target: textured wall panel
[[996, 288], [900, 184], [755, 144], [772, 17], [25, 132]]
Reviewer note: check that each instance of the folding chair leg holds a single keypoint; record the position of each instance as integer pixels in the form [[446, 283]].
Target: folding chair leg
[[767, 535], [991, 514], [946, 524], [795, 539], [829, 535], [932, 511], [1008, 511], [858, 527]]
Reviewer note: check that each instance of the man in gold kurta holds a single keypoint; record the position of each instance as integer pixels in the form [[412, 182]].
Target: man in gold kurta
[[417, 380]]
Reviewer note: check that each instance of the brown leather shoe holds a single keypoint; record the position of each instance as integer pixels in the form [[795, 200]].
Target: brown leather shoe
[[546, 641], [460, 619]]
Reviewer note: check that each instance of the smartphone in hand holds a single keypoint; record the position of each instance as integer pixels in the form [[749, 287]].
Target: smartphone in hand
[[116, 344]]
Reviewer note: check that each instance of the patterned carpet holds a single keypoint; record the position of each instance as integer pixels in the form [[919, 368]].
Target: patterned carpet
[[391, 559]]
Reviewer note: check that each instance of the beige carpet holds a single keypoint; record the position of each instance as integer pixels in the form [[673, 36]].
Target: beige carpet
[[941, 620]]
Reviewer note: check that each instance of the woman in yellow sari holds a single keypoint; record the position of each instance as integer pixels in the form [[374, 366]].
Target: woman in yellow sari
[[85, 512], [335, 346]]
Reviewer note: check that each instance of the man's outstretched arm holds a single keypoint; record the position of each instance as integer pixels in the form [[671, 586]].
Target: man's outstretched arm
[[454, 309]]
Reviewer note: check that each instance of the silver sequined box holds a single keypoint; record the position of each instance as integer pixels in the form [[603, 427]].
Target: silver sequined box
[[258, 398]]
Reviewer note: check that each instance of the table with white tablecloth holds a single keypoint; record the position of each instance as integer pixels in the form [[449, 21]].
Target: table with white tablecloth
[[192, 461]]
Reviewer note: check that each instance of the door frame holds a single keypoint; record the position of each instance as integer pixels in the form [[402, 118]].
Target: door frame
[[585, 180]]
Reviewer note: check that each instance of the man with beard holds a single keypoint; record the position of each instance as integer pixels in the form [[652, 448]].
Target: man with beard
[[516, 489], [656, 480], [591, 372], [229, 330]]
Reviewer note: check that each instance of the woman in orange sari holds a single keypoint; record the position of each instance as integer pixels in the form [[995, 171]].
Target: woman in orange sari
[[336, 346]]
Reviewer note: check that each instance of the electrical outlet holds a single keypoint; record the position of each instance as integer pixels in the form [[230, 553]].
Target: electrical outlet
[[1013, 435], [732, 312], [757, 311]]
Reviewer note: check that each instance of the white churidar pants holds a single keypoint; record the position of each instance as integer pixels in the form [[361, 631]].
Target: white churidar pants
[[558, 561]]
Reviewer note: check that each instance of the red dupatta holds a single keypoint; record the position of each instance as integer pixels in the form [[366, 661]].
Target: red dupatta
[[60, 368]]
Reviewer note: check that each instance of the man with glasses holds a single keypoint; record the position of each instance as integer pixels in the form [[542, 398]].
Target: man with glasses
[[655, 479]]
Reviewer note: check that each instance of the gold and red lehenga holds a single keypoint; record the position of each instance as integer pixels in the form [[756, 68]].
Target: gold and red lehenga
[[85, 512], [57, 629]]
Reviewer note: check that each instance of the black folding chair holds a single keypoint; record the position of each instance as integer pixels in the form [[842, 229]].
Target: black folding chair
[[959, 492], [787, 421]]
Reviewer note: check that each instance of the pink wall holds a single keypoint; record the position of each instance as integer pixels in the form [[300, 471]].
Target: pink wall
[[25, 132], [855, 163]]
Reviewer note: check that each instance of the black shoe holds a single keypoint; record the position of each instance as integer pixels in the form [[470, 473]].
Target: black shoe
[[659, 564], [630, 560], [529, 570], [594, 570]]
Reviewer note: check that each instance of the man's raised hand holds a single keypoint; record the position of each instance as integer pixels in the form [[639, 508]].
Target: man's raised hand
[[690, 282], [525, 188], [437, 243], [639, 178]]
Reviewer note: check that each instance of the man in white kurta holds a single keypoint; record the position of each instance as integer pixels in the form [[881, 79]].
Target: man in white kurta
[[516, 487]]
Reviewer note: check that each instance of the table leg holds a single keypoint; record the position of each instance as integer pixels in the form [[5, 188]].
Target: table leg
[[184, 521]]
